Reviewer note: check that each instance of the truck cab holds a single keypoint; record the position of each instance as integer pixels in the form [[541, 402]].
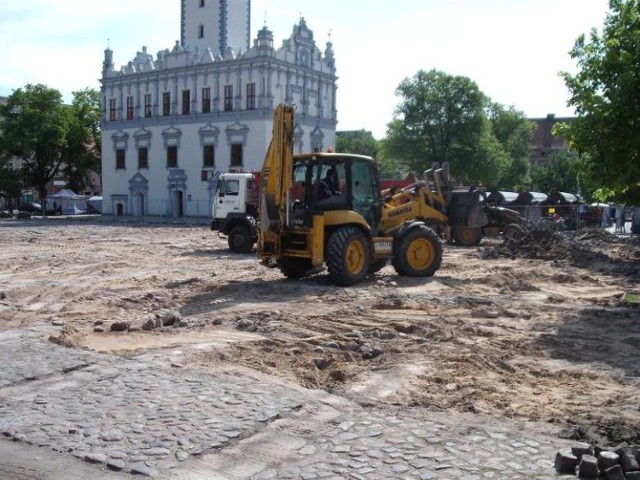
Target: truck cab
[[234, 210]]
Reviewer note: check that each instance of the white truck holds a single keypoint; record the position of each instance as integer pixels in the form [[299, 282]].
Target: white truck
[[235, 210]]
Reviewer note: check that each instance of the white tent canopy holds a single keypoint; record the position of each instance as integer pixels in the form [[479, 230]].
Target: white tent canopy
[[70, 202], [95, 203]]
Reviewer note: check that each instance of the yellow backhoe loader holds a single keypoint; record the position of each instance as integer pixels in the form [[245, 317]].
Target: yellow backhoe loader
[[327, 209]]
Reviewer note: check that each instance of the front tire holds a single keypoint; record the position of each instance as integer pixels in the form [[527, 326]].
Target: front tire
[[418, 253], [347, 256], [467, 236], [240, 240]]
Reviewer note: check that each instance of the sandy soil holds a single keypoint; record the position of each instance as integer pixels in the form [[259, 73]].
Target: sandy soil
[[547, 339]]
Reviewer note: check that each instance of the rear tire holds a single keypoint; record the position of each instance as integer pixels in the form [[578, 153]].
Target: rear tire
[[513, 232], [240, 240], [418, 253], [347, 256], [467, 236]]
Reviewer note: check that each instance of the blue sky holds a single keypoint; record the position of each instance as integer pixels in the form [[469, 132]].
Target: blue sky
[[513, 49]]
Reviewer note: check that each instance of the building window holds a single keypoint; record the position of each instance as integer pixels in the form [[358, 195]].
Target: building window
[[251, 96], [143, 158], [236, 155], [147, 105], [208, 159], [112, 110], [201, 31], [166, 104], [172, 156], [186, 102], [206, 100], [228, 98], [201, 3], [129, 108], [120, 159]]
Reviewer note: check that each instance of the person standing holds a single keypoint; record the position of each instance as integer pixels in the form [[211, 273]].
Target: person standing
[[604, 221], [635, 220], [620, 220]]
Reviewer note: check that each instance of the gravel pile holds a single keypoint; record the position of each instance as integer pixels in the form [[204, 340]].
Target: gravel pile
[[584, 248]]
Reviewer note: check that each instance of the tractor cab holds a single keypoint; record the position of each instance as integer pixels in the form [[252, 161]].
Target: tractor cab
[[334, 182]]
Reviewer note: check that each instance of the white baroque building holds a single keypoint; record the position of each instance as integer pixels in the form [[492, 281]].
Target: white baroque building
[[170, 123]]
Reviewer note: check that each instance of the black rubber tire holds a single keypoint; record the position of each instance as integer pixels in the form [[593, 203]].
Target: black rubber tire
[[378, 265], [418, 253], [347, 256], [294, 267], [467, 236], [240, 240], [513, 232]]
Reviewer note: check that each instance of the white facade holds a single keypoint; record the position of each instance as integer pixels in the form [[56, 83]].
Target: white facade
[[170, 123]]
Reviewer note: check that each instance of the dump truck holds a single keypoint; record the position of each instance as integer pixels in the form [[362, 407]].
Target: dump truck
[[304, 224], [234, 212]]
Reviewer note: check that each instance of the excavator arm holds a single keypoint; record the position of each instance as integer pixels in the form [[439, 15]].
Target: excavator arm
[[276, 181]]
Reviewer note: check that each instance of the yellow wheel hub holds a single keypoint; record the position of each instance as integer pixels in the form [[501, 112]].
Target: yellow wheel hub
[[468, 234], [355, 257], [420, 254]]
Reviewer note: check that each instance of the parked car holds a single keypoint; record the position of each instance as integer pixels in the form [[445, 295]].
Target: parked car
[[36, 208], [31, 207]]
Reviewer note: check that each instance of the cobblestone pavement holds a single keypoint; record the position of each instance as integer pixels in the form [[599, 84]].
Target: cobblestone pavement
[[148, 416]]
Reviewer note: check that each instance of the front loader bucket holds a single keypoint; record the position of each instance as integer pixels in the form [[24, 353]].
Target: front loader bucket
[[475, 215]]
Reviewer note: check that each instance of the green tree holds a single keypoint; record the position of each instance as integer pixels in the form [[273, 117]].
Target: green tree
[[514, 132], [34, 126], [390, 166], [357, 141], [441, 119], [560, 173], [446, 118], [487, 160], [362, 142], [606, 133], [10, 182], [84, 139]]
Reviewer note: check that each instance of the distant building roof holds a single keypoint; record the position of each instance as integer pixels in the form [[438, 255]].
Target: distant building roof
[[543, 136]]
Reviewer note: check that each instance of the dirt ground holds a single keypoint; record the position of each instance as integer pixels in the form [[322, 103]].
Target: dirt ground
[[547, 339]]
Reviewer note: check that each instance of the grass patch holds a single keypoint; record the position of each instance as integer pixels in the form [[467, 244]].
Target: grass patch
[[631, 297]]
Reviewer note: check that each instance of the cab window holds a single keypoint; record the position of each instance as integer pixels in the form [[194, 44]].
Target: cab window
[[228, 187], [231, 187], [363, 188]]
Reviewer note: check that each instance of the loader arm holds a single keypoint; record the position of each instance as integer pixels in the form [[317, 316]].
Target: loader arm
[[276, 181], [412, 203]]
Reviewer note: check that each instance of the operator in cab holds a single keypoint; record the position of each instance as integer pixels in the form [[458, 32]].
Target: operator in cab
[[332, 181]]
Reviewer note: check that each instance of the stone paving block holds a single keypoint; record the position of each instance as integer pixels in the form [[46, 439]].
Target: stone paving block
[[588, 466], [566, 462], [615, 473], [607, 460], [582, 449], [629, 463]]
